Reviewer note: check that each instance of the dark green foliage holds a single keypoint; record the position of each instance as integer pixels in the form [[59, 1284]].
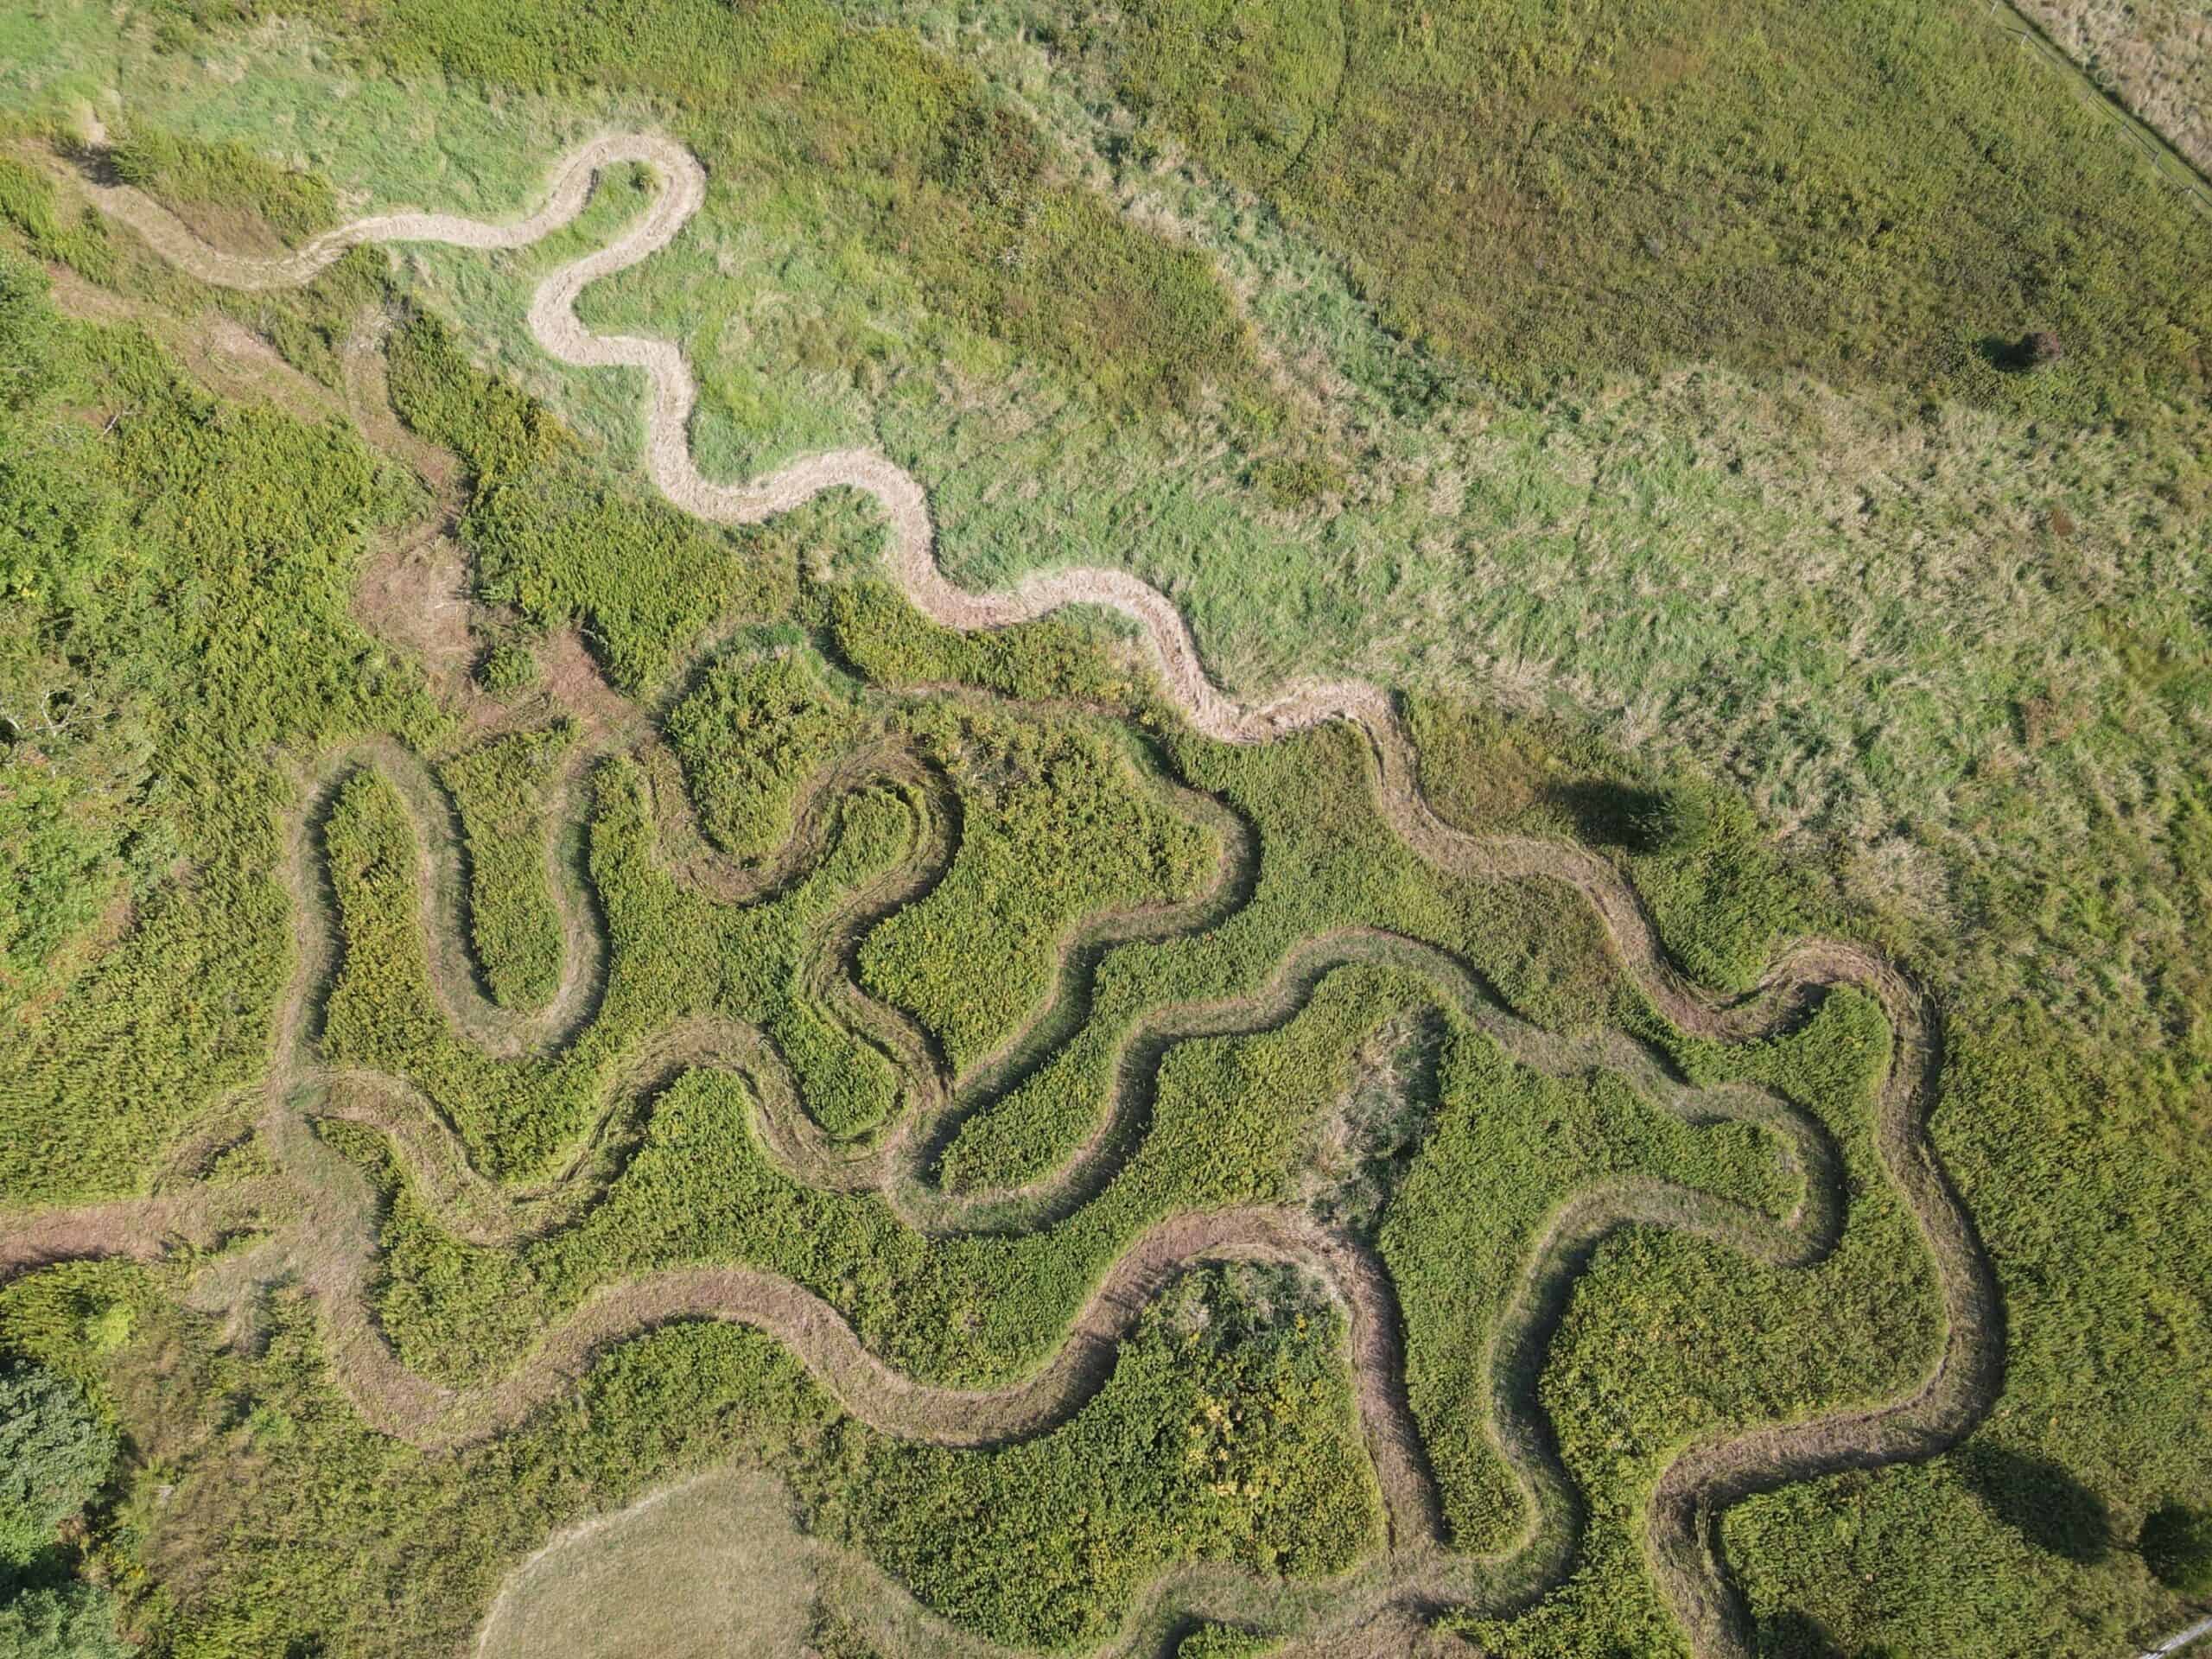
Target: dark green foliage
[[72, 236], [31, 344], [1943, 1563], [887, 640], [54, 1456], [1289, 483], [2176, 1545], [1223, 1641], [70, 1620], [507, 668]]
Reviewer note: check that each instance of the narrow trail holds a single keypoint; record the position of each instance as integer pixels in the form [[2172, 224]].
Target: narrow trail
[[1418, 1575]]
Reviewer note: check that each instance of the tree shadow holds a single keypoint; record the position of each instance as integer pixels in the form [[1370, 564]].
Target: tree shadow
[[1608, 814], [1671, 818], [2019, 353], [1793, 1634], [2040, 1501]]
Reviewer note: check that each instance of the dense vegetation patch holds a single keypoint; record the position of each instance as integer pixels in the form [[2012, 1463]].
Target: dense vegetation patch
[[751, 735], [551, 535], [502, 792], [54, 1457], [1051, 831], [180, 575], [226, 191]]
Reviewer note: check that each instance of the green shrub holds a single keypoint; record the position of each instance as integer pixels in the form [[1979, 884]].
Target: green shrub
[[54, 1456], [1227, 1432], [71, 1620], [891, 643], [1290, 483], [2176, 1546], [70, 235], [508, 668]]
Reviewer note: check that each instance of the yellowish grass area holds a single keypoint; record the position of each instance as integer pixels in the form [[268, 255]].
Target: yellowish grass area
[[2154, 55], [712, 1567]]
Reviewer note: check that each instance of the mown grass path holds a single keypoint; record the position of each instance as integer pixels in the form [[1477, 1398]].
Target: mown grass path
[[1419, 1574]]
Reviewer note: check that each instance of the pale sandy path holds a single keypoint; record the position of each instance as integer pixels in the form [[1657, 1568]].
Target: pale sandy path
[[1681, 1538]]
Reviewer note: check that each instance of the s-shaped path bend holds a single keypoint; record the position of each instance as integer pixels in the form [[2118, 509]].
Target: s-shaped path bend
[[1681, 1538]]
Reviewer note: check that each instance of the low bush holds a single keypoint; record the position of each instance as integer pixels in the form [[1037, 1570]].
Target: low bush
[[2176, 1546], [54, 1456]]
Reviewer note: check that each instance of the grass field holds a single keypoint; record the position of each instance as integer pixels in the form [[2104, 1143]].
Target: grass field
[[2156, 58], [728, 1571], [1641, 391]]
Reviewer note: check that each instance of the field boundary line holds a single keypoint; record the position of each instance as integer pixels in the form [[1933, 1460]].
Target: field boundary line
[[2165, 158]]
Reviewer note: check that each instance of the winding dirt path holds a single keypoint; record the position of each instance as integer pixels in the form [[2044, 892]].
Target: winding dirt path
[[1418, 1574]]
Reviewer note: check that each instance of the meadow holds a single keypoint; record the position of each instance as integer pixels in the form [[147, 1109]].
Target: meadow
[[1638, 390]]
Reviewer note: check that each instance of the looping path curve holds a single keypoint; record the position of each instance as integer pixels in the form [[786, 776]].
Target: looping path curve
[[1681, 1537]]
